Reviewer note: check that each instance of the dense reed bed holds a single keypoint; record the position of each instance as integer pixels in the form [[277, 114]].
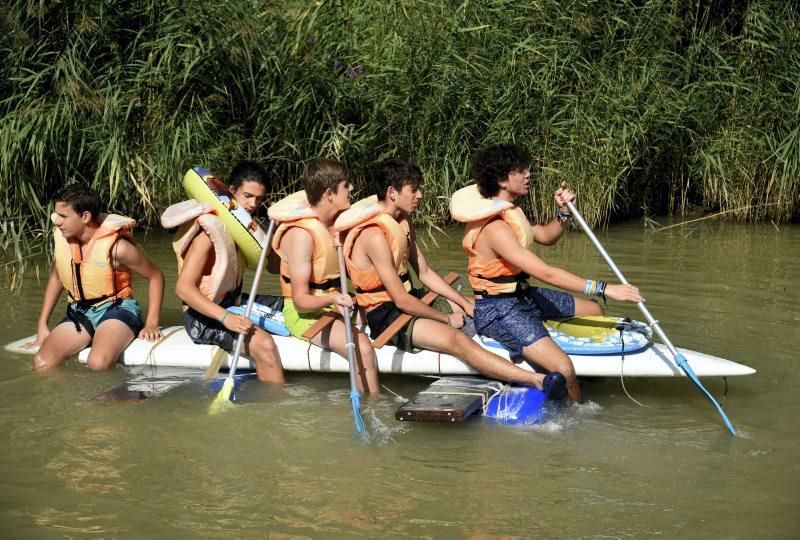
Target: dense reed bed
[[644, 107]]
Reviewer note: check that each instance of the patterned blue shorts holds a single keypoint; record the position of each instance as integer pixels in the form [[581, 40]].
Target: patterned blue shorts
[[516, 321]]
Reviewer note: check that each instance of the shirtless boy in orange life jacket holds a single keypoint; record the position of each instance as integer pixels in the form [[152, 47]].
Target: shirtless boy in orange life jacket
[[94, 258], [205, 316], [379, 249], [500, 261], [309, 267]]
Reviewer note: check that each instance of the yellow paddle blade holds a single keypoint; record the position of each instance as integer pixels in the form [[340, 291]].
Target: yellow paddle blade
[[223, 398], [216, 362]]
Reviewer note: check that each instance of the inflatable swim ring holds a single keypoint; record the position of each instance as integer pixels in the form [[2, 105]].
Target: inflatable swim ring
[[204, 187]]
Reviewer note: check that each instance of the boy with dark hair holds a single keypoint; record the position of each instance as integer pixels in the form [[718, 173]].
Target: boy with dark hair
[[201, 246], [396, 173], [498, 241], [496, 162], [248, 171], [309, 266], [379, 250], [94, 257]]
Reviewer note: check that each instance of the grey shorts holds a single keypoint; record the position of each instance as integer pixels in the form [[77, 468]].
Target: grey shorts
[[516, 321], [204, 330]]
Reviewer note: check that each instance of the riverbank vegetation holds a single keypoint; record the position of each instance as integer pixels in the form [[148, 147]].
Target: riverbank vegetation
[[644, 107]]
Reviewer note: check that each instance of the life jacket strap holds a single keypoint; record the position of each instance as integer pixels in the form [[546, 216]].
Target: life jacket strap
[[520, 279], [325, 285], [87, 303]]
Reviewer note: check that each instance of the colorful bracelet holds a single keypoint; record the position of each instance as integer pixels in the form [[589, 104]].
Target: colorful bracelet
[[588, 286], [601, 289], [594, 288], [222, 319]]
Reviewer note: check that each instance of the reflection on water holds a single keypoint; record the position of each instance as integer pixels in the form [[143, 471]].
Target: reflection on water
[[287, 462], [89, 461]]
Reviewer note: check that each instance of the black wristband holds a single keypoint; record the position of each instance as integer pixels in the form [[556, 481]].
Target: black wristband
[[562, 216]]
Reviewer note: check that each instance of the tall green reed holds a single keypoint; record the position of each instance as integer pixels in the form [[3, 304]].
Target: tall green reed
[[643, 107]]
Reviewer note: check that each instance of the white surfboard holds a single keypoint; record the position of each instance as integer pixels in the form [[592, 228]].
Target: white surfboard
[[23, 346], [177, 350]]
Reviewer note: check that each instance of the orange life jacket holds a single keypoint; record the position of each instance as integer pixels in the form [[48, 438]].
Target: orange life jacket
[[490, 276], [294, 211], [90, 276], [192, 218], [370, 291]]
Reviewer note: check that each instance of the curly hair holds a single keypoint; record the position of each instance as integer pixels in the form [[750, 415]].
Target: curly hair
[[396, 173], [492, 165]]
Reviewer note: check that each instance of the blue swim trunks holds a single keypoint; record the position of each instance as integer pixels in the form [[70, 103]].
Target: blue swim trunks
[[91, 317], [516, 321]]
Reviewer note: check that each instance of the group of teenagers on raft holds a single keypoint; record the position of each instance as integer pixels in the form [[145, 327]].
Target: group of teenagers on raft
[[95, 256]]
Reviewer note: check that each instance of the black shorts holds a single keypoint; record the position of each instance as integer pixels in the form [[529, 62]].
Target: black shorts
[[205, 330], [380, 318]]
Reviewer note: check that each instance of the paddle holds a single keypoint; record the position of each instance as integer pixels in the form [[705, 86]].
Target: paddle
[[355, 397], [216, 362], [227, 387], [679, 358]]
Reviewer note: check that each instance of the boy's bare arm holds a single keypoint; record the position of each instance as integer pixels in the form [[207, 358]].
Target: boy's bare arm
[[52, 292], [298, 247], [434, 281], [380, 255], [129, 255]]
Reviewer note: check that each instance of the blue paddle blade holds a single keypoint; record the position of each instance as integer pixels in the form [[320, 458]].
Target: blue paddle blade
[[355, 399], [684, 365], [517, 405], [216, 384]]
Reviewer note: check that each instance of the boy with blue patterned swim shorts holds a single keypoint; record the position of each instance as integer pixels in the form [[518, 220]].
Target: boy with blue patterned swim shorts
[[498, 244]]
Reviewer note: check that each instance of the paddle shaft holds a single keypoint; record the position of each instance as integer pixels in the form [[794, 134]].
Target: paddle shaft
[[348, 324], [614, 268], [679, 358], [251, 299]]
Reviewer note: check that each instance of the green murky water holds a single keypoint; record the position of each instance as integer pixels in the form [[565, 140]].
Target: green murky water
[[287, 463]]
